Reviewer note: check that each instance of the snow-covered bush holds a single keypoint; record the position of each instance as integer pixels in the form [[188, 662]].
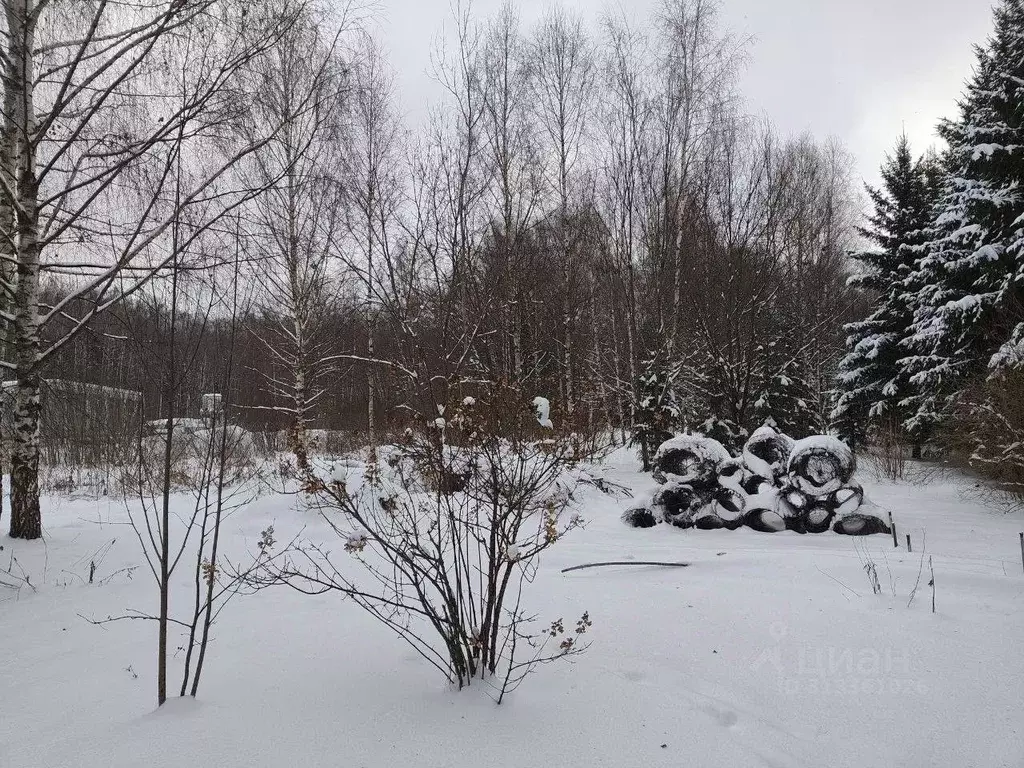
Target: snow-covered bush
[[731, 435], [543, 408], [445, 567]]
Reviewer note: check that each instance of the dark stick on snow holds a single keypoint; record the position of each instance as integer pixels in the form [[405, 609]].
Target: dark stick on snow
[[895, 541], [1022, 548], [623, 562], [932, 582], [909, 548]]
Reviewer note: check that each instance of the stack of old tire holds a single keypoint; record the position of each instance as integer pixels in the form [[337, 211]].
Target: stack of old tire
[[690, 469], [777, 484]]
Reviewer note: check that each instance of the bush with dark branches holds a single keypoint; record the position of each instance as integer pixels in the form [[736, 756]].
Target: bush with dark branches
[[443, 534]]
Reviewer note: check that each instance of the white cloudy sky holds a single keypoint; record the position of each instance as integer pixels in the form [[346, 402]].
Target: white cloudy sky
[[860, 70]]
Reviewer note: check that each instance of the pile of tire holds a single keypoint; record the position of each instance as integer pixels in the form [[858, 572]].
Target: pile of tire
[[777, 484]]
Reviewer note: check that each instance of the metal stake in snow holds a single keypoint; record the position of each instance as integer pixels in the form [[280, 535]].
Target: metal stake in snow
[[892, 525], [909, 548], [1022, 549]]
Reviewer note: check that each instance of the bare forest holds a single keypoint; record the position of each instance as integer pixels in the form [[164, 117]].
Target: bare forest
[[352, 404], [590, 214]]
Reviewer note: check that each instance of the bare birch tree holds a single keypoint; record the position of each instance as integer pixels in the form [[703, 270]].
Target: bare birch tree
[[374, 188], [297, 222], [695, 65], [511, 160], [96, 95], [625, 115], [564, 65]]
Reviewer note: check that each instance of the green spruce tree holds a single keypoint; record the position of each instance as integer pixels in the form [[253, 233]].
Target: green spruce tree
[[871, 382], [656, 410], [968, 287]]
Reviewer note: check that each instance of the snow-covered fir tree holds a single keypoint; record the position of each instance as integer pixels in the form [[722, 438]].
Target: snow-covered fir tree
[[967, 287], [785, 395], [871, 382], [656, 412]]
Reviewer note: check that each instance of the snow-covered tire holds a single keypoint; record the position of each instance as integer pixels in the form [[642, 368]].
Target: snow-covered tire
[[820, 465], [731, 475], [859, 524], [709, 522], [755, 484], [766, 453], [817, 518], [847, 499], [794, 499], [690, 459], [679, 503], [764, 520], [729, 505]]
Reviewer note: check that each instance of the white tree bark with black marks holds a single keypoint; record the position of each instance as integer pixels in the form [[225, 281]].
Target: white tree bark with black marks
[[296, 223], [22, 18], [95, 97], [374, 189]]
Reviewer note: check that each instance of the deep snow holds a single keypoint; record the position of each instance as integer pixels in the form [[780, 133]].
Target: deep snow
[[769, 650]]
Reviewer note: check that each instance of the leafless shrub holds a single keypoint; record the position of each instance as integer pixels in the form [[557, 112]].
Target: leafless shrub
[[14, 577], [445, 567], [892, 449], [917, 582], [870, 568], [218, 490]]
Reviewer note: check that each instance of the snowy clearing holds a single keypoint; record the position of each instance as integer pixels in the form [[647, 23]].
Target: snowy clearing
[[770, 649]]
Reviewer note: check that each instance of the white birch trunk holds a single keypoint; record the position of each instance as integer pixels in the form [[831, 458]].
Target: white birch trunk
[[26, 522]]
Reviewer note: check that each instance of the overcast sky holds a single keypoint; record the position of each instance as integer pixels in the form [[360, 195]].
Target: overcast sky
[[859, 70]]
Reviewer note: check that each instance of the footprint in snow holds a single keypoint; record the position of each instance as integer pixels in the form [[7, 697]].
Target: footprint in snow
[[724, 718]]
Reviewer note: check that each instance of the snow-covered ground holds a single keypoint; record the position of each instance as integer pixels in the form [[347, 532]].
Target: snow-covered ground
[[769, 650]]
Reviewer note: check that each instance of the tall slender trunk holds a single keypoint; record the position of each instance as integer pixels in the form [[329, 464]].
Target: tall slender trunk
[[371, 400], [170, 396], [631, 328], [26, 520], [517, 336], [208, 612], [567, 272], [676, 250], [8, 251], [299, 437], [620, 401], [298, 286], [595, 365], [370, 394]]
